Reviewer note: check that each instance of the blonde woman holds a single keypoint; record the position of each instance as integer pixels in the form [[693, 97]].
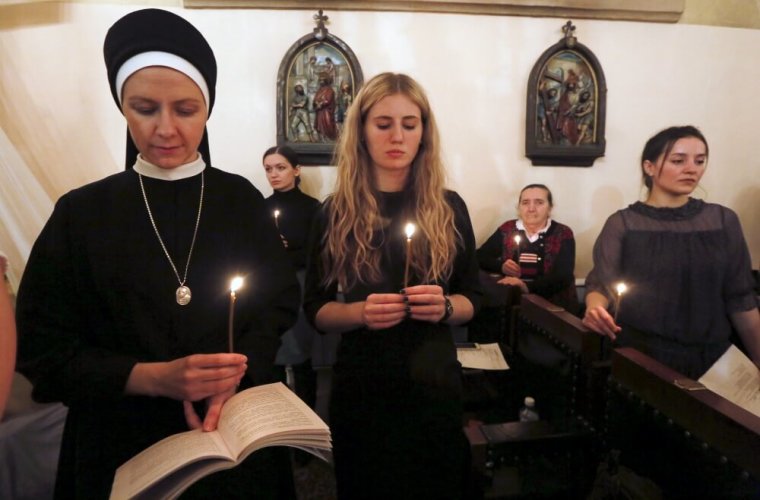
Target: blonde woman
[[395, 410]]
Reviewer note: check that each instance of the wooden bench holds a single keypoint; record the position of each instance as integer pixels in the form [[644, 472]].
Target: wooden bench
[[691, 443]]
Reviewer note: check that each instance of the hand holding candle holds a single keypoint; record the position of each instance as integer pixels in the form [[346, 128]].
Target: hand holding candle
[[409, 230], [620, 288], [235, 285]]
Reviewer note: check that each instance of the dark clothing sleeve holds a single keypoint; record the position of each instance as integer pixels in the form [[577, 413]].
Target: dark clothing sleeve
[[490, 253], [316, 293], [52, 309], [465, 279], [607, 252], [738, 285]]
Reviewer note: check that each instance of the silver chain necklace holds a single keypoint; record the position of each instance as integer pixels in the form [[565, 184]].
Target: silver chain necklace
[[183, 293]]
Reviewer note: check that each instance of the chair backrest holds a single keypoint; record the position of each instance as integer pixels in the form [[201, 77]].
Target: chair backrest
[[559, 360]]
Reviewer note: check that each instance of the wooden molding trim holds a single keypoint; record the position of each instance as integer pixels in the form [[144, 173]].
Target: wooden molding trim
[[666, 11]]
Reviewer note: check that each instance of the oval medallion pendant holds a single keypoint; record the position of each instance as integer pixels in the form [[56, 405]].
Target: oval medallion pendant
[[183, 295]]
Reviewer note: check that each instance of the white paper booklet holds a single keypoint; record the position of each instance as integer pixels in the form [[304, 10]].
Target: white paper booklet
[[735, 377]]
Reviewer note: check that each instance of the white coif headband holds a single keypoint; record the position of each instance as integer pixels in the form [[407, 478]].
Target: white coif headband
[[156, 58]]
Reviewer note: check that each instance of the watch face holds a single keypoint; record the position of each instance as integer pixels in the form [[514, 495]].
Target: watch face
[[449, 309]]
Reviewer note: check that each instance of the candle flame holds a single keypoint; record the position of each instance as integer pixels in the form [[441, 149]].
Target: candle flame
[[236, 283], [621, 288], [517, 239], [409, 230], [276, 213]]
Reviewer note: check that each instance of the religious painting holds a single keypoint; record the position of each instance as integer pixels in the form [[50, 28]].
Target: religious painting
[[317, 81], [567, 96]]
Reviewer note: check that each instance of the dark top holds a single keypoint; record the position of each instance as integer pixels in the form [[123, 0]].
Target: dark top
[[687, 269], [296, 213], [98, 296], [395, 412], [547, 265]]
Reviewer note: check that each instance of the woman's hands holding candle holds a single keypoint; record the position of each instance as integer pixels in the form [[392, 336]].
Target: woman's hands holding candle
[[200, 376], [597, 318], [420, 302], [383, 310], [426, 302]]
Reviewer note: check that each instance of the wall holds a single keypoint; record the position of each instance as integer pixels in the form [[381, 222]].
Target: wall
[[61, 124]]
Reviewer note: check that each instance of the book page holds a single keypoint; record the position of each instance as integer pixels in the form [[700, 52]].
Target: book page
[[178, 481], [164, 457], [265, 415], [735, 377], [482, 356]]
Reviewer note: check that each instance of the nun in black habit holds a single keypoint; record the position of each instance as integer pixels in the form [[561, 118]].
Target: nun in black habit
[[123, 307]]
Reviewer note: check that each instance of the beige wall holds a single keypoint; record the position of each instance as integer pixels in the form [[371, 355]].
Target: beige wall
[[735, 13], [57, 113]]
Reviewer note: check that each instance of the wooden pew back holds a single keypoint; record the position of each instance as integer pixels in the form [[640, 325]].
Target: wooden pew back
[[690, 442]]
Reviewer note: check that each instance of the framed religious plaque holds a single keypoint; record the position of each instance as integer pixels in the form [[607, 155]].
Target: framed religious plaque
[[316, 83], [567, 96]]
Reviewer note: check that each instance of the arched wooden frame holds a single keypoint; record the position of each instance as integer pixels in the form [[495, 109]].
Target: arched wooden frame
[[566, 108], [310, 123]]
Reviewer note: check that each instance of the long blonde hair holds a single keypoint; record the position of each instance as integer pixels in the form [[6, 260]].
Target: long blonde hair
[[349, 253]]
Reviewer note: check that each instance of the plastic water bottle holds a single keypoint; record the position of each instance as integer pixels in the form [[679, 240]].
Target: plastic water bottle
[[528, 412]]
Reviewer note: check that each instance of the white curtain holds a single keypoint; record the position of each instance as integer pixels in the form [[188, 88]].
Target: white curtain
[[24, 208]]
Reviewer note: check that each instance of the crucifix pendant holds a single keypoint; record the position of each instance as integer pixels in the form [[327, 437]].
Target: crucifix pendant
[[184, 295]]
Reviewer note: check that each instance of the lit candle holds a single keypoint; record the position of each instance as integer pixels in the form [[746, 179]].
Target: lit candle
[[517, 239], [409, 230], [620, 288], [235, 285], [276, 219]]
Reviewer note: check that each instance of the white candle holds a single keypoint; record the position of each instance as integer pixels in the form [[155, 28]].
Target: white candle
[[517, 239], [620, 288], [276, 219], [235, 285], [409, 230]]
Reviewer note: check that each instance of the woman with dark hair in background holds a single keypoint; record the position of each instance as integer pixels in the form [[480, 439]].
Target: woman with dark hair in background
[[293, 212], [684, 261]]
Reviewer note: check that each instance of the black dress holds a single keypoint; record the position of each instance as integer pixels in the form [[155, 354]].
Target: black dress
[[98, 296], [297, 210], [687, 269], [396, 411], [296, 213]]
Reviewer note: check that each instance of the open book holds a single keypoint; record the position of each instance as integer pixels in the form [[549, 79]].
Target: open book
[[267, 415], [735, 377]]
